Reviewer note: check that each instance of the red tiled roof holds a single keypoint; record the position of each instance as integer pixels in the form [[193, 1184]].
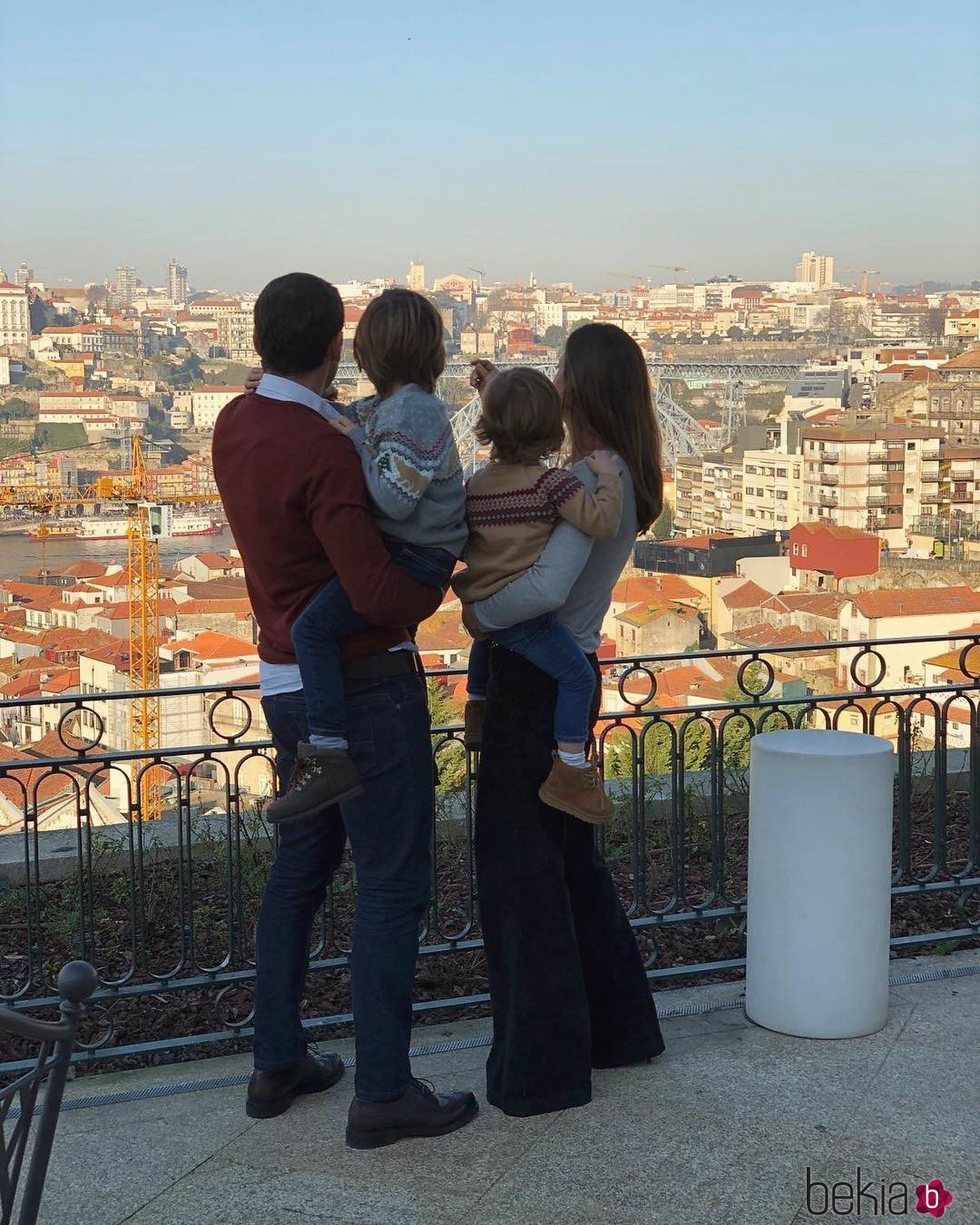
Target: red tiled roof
[[917, 602], [970, 360], [749, 595], [209, 644], [653, 587], [443, 632], [817, 603], [766, 635], [839, 533]]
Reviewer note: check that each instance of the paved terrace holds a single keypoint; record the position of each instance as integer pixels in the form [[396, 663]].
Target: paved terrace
[[719, 1131]]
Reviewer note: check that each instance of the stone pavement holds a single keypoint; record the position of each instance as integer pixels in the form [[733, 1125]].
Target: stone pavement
[[719, 1131]]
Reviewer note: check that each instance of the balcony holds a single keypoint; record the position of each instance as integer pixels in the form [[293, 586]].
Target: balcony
[[166, 911], [876, 499], [828, 499], [828, 478], [169, 906], [878, 455], [830, 457]]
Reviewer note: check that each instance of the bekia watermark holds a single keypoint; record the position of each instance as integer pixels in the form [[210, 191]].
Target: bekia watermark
[[865, 1197]]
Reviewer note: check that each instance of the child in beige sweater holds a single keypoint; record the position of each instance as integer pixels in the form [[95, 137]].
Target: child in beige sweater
[[512, 507]]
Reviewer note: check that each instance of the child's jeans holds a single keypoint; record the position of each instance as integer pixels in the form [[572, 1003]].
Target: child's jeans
[[329, 618], [546, 643]]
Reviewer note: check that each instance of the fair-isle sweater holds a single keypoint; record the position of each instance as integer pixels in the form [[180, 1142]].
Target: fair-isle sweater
[[512, 510], [411, 468]]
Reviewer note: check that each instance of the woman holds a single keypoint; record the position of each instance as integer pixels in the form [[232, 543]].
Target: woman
[[568, 988]]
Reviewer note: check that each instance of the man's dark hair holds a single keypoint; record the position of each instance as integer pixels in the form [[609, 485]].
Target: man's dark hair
[[296, 318]]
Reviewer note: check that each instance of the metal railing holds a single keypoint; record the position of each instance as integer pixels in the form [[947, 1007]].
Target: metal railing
[[165, 910]]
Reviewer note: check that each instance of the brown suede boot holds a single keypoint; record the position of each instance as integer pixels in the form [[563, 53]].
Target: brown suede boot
[[577, 792], [473, 725]]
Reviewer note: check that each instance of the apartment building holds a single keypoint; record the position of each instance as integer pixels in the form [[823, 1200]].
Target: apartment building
[[207, 402], [709, 495], [954, 408], [772, 491], [15, 319], [235, 333], [97, 413], [878, 479], [815, 270]]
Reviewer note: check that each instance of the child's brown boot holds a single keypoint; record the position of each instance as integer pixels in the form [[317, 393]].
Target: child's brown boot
[[473, 725], [578, 792]]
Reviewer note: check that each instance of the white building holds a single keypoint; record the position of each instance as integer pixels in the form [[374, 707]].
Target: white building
[[236, 332], [15, 319], [97, 413], [416, 276], [176, 282], [207, 402], [772, 491]]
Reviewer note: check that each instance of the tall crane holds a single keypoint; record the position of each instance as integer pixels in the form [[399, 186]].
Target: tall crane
[[645, 279], [134, 488], [864, 274]]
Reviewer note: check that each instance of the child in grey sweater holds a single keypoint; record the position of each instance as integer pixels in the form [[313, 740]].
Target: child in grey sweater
[[414, 478]]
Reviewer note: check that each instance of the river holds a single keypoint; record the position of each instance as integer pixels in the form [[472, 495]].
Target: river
[[21, 554]]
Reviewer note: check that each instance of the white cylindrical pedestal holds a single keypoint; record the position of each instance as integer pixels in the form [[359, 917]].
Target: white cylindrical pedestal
[[819, 899]]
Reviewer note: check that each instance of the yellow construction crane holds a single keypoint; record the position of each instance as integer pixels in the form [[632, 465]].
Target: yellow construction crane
[[643, 278], [864, 273], [134, 489]]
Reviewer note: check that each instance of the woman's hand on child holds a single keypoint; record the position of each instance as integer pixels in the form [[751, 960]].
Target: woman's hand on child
[[253, 379], [481, 372], [343, 425], [604, 463]]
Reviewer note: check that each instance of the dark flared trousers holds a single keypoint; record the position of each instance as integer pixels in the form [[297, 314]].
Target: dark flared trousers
[[567, 983]]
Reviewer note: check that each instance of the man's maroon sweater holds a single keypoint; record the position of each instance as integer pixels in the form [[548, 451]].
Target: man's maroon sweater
[[297, 506]]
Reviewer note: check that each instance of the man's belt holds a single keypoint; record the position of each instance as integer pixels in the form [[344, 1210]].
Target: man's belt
[[382, 665]]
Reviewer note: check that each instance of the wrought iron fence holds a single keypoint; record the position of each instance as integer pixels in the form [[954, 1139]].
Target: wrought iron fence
[[165, 910]]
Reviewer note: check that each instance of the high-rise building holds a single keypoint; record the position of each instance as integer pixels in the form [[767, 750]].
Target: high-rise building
[[125, 290], [416, 276], [176, 282], [24, 274], [816, 270]]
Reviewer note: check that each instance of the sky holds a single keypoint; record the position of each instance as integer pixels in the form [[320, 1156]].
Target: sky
[[579, 140]]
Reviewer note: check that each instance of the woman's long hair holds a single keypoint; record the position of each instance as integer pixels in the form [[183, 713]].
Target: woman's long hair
[[606, 398]]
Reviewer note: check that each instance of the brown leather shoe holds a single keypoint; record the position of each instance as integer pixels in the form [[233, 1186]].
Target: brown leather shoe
[[420, 1112], [578, 792], [473, 725], [321, 777], [272, 1093]]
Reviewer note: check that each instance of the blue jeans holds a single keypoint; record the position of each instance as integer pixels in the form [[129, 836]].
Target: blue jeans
[[546, 643], [329, 618], [389, 828]]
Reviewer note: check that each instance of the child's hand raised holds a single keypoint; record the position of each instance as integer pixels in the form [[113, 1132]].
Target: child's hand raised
[[604, 463], [481, 372], [253, 379]]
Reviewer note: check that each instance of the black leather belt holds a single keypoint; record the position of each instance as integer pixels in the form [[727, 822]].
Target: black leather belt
[[385, 664]]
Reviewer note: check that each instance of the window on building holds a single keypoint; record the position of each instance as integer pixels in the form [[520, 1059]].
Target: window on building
[[910, 446]]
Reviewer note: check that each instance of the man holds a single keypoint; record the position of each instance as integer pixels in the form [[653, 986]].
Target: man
[[296, 502]]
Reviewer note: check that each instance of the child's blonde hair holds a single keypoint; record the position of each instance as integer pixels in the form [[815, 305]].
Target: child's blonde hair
[[400, 340], [521, 417]]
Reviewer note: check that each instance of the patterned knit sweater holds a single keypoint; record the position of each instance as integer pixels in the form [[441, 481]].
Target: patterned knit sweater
[[512, 510], [412, 468]]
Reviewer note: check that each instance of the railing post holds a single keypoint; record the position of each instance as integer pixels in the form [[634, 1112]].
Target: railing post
[[819, 899]]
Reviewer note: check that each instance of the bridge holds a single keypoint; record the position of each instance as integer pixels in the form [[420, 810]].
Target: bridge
[[682, 434]]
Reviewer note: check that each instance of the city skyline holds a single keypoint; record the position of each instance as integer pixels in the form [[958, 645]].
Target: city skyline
[[606, 143]]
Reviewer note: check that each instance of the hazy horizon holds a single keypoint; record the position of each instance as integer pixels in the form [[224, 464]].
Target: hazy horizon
[[580, 144]]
